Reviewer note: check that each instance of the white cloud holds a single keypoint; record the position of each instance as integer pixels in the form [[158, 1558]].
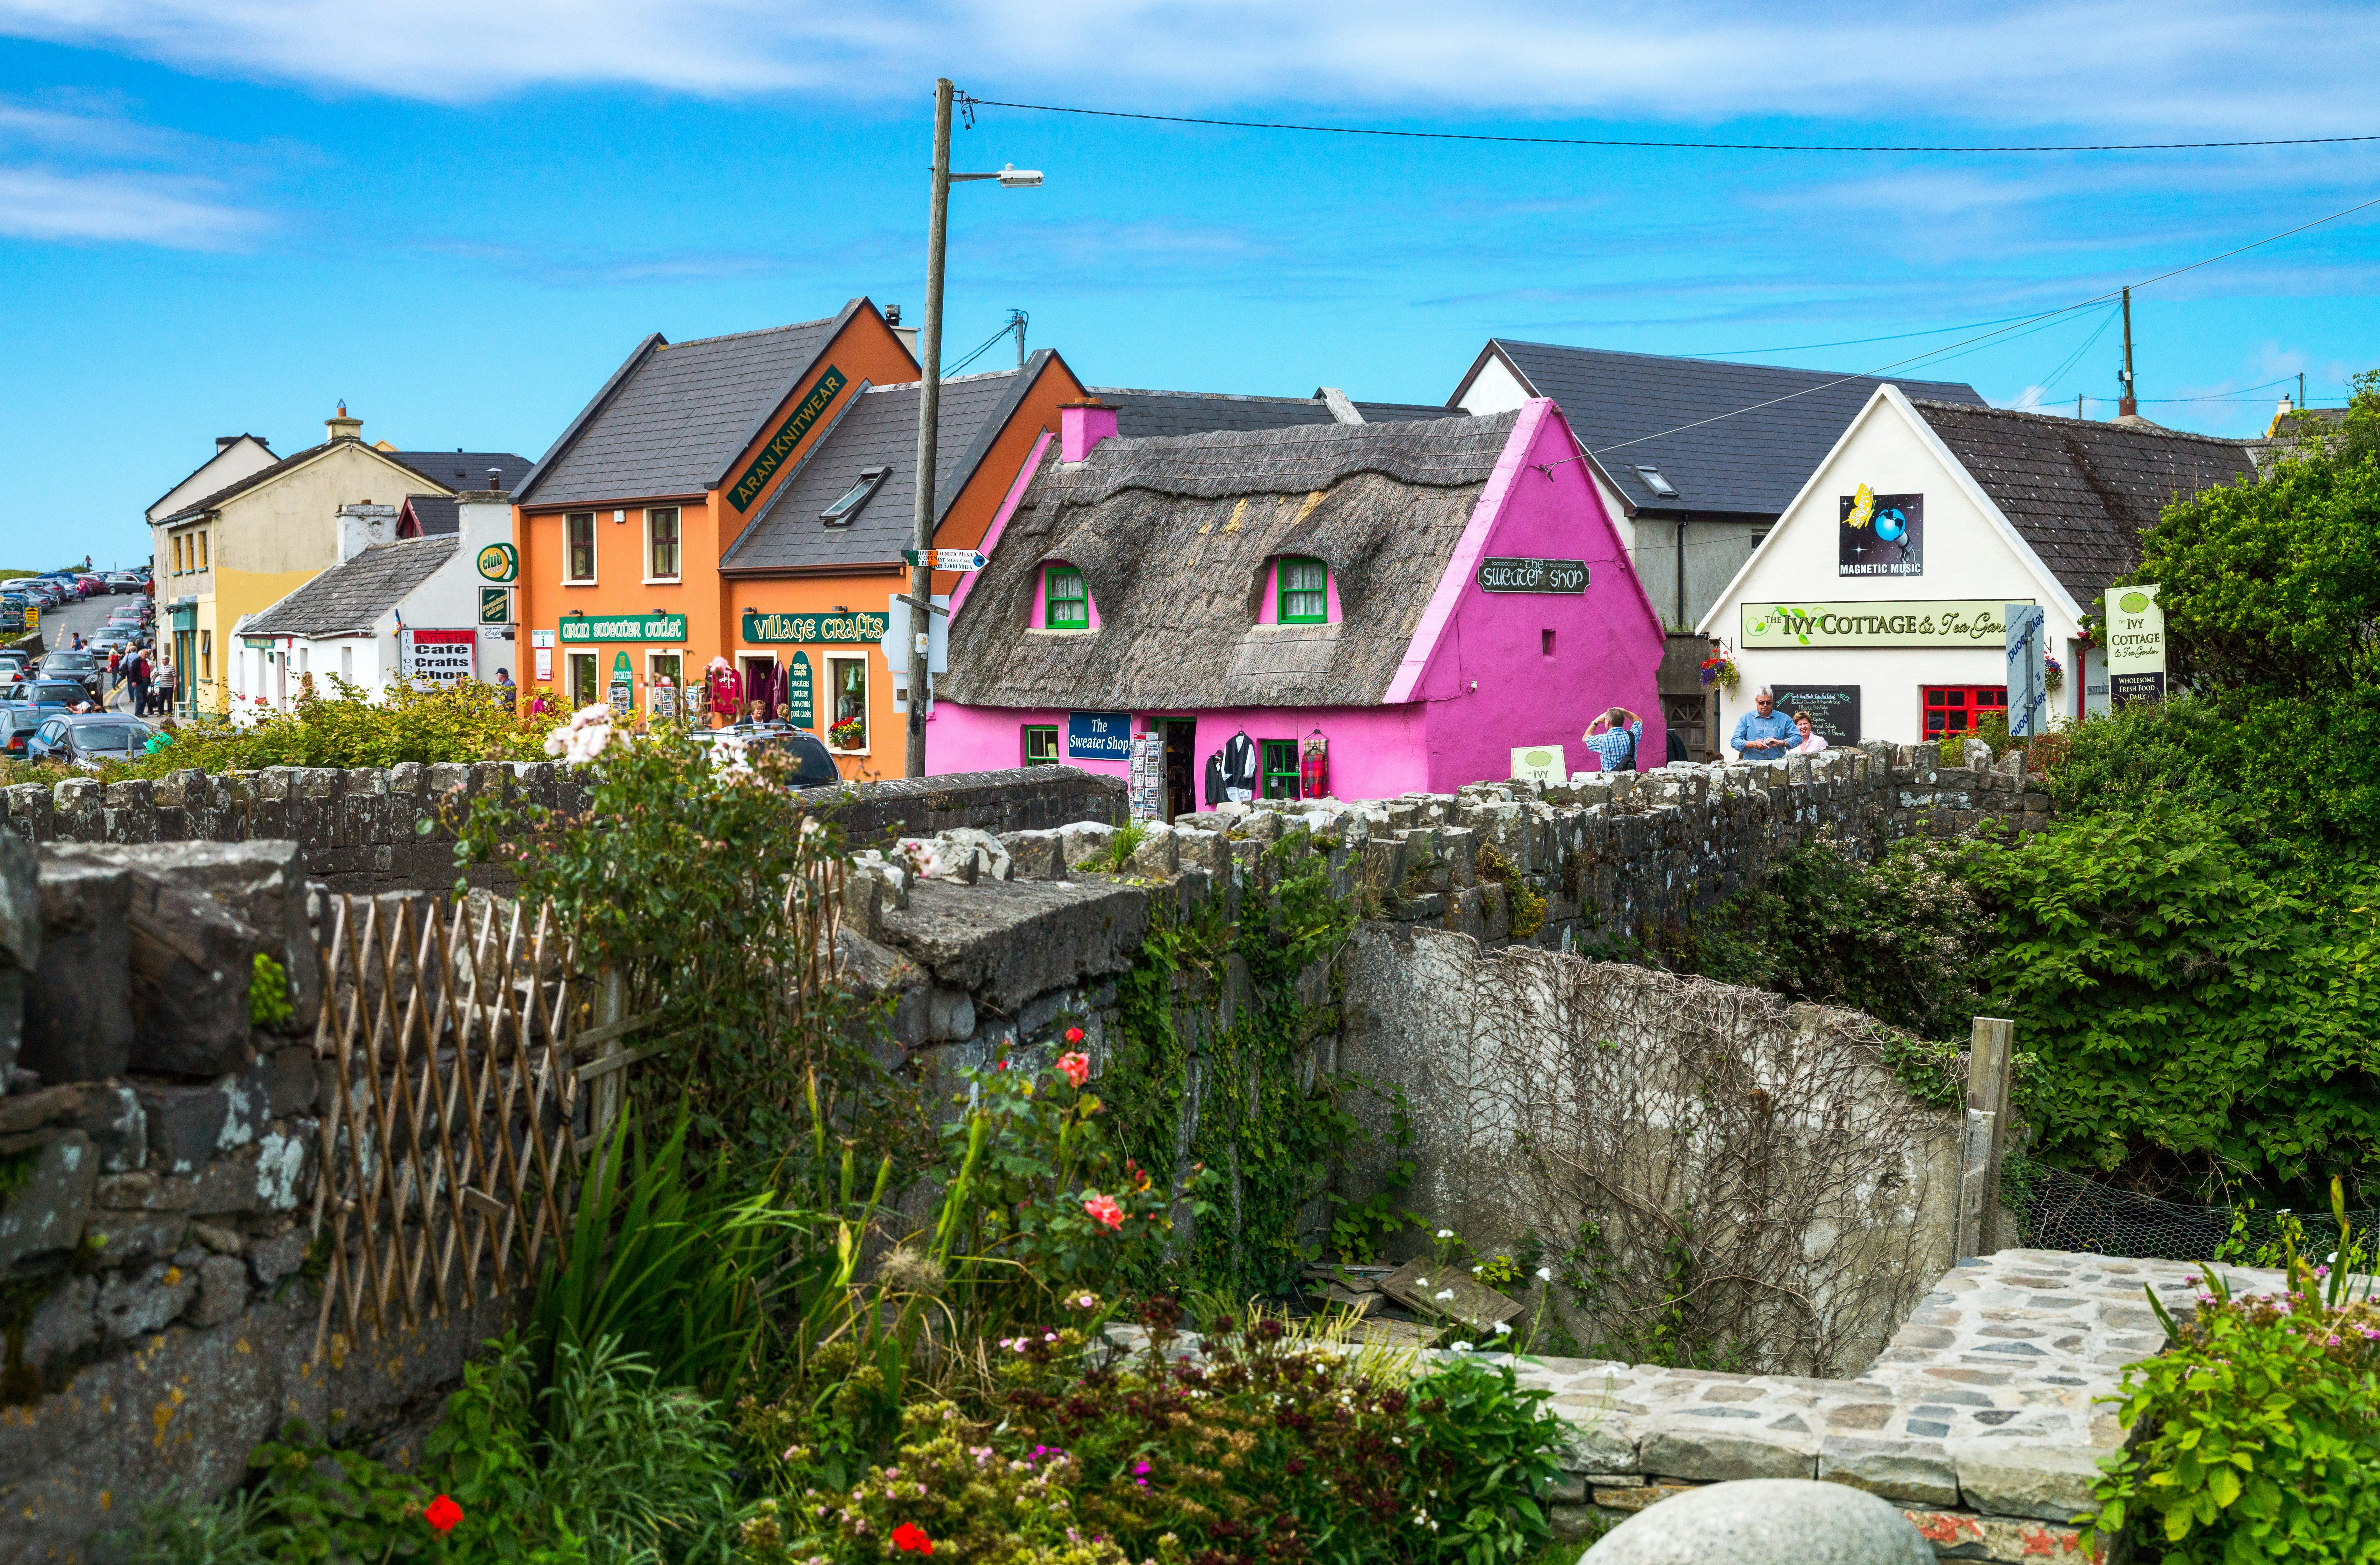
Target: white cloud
[[2133, 69], [117, 206]]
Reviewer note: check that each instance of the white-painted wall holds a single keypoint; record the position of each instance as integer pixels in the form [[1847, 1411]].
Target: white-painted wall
[[1494, 390], [1970, 554]]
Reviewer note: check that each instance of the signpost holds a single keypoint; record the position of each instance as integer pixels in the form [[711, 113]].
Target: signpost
[[760, 629], [2135, 643], [2028, 692], [947, 559], [623, 693], [1532, 576], [495, 605], [799, 692], [1907, 623], [578, 629]]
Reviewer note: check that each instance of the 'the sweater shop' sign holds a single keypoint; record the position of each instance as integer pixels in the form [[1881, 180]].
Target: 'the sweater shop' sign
[[789, 434], [762, 630]]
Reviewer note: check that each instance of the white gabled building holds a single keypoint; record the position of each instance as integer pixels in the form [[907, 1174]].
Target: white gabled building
[[1879, 596], [392, 608]]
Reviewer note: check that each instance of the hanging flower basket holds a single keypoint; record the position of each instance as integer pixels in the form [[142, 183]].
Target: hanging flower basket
[[2053, 675], [1719, 669]]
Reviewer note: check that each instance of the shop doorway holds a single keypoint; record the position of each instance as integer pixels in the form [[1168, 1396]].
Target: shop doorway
[[1181, 768], [759, 679]]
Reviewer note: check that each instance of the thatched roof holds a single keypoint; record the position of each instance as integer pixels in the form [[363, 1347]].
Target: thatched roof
[[1174, 535]]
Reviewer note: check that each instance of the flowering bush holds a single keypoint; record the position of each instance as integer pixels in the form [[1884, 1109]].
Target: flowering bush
[[464, 720], [2260, 1428]]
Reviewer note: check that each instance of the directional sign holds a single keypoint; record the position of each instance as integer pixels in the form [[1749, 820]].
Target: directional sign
[[947, 559]]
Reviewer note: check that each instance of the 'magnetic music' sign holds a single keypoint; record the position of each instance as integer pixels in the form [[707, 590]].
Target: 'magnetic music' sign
[[1532, 576]]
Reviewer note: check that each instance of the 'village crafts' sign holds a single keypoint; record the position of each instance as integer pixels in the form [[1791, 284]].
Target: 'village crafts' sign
[[1933, 624], [789, 434], [1532, 576], [763, 630]]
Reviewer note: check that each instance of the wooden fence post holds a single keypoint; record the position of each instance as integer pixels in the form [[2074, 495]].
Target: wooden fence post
[[611, 1010], [1990, 1059]]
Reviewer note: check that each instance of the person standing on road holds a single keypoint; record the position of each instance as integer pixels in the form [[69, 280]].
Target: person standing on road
[[136, 680], [1764, 734]]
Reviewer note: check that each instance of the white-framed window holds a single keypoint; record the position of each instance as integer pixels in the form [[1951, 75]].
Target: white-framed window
[[661, 543], [582, 676], [665, 685], [578, 548], [347, 665], [846, 682]]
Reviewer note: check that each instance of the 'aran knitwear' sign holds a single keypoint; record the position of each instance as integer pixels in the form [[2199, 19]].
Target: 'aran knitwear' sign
[[762, 630], [1941, 623], [622, 627], [789, 434], [1532, 576]]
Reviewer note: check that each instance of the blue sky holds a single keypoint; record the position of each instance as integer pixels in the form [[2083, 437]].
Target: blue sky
[[227, 217]]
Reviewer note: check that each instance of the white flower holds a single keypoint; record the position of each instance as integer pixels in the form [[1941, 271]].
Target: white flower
[[1446, 1233], [1545, 1274], [731, 760], [587, 735], [1444, 1293], [1503, 1328], [1480, 1268], [1458, 1347]]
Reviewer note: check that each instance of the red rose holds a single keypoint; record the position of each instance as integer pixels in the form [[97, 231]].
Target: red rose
[[443, 1514], [911, 1538], [1074, 1035]]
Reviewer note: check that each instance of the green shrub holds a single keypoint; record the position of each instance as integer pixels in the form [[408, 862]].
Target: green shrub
[[463, 721], [2258, 1431]]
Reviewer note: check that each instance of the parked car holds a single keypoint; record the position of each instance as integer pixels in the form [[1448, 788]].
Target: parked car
[[123, 581], [79, 666], [813, 765], [40, 698], [87, 739]]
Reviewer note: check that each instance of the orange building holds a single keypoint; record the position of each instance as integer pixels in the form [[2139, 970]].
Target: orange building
[[690, 454], [814, 578]]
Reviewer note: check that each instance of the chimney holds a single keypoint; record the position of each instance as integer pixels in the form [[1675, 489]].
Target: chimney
[[225, 443], [481, 517], [495, 480], [1081, 426], [908, 334], [363, 526], [1342, 411], [341, 427]]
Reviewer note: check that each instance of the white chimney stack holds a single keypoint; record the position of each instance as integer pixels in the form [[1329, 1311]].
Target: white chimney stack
[[362, 525]]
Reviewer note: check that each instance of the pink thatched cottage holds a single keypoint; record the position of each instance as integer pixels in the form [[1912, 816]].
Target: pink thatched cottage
[[1356, 610]]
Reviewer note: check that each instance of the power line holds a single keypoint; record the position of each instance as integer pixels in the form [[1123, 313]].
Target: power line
[[973, 103], [1855, 342]]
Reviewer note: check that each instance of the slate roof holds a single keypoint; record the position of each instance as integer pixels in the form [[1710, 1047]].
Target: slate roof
[[439, 515], [675, 416], [349, 598], [879, 429], [1143, 414], [2081, 491], [1750, 465], [466, 469], [1173, 535]]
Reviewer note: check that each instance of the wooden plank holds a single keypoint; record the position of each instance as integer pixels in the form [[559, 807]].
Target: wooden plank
[[608, 1063], [1419, 1284], [610, 1030]]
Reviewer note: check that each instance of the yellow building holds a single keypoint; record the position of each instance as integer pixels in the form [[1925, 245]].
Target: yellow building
[[242, 548]]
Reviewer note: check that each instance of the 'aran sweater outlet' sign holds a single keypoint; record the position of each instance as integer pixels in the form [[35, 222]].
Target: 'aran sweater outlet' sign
[[789, 435]]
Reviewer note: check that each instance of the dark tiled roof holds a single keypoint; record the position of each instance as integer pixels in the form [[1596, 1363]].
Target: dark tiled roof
[[466, 469], [1751, 465], [228, 442], [439, 515], [1143, 414], [880, 429], [1172, 534], [674, 417], [350, 597], [2079, 492]]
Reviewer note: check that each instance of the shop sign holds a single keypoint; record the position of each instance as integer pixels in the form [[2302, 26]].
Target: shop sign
[[761, 630], [579, 629], [623, 691], [1880, 534], [495, 605], [789, 434], [2135, 643], [1532, 576], [2028, 690], [1539, 763], [1834, 709], [946, 559], [1932, 623], [500, 562], [436, 657], [799, 692], [1099, 736]]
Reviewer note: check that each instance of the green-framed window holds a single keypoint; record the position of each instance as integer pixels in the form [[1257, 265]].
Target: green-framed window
[[1280, 757], [1305, 593], [1040, 745], [1066, 600]]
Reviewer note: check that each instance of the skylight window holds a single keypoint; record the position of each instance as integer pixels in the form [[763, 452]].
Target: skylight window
[[1656, 482], [847, 505]]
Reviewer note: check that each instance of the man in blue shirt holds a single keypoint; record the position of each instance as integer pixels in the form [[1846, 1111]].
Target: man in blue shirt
[[1764, 733], [1614, 737]]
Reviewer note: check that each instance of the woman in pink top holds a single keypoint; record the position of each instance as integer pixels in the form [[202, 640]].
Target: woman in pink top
[[1812, 740]]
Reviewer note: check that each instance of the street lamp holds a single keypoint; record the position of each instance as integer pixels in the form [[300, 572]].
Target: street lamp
[[930, 401]]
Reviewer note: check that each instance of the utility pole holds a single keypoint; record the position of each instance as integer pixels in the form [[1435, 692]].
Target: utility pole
[[2301, 407], [2078, 405], [2128, 405], [929, 398]]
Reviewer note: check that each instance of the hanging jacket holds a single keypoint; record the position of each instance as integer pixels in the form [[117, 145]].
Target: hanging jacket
[[1313, 770], [1240, 768], [726, 691], [1215, 794]]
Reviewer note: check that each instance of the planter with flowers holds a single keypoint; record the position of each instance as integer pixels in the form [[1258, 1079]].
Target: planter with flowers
[[851, 734], [1719, 669]]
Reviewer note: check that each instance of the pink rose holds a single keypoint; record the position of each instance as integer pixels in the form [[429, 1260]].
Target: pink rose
[[1103, 1209], [1075, 1067]]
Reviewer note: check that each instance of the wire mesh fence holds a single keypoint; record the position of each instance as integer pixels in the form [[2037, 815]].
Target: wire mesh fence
[[2058, 1210]]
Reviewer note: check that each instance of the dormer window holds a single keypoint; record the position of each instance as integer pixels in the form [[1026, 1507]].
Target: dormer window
[[1652, 480], [1065, 599], [847, 504], [1304, 592]]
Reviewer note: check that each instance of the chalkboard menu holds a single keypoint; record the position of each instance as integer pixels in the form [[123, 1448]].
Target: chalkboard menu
[[1833, 709]]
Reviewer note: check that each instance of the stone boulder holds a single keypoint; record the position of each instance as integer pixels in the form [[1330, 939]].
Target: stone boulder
[[78, 1007], [1766, 1521]]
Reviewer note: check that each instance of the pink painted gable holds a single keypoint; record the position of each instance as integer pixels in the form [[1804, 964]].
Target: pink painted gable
[[1482, 662]]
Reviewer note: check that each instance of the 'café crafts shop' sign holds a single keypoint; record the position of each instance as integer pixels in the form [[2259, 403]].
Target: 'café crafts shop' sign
[[766, 629], [1941, 623]]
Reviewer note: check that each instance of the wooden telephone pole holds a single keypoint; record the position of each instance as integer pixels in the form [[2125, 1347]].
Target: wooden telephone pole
[[2128, 405]]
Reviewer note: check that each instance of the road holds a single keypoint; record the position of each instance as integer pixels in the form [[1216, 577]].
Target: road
[[59, 624]]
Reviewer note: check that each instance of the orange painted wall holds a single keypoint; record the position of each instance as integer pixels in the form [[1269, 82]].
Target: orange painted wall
[[866, 350], [970, 515]]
